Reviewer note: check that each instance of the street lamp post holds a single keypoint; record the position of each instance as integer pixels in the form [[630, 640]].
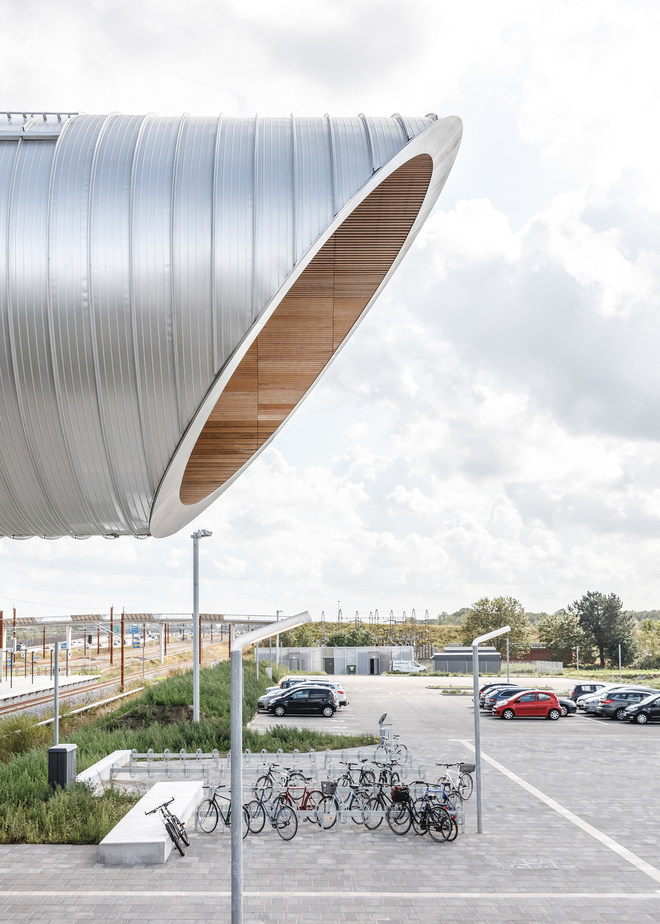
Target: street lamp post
[[236, 724], [56, 695], [196, 536], [277, 640], [477, 730]]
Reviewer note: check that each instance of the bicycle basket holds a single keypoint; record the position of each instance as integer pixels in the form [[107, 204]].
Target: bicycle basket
[[466, 768], [400, 794], [328, 787]]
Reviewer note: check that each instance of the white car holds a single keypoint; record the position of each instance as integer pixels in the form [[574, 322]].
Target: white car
[[408, 667]]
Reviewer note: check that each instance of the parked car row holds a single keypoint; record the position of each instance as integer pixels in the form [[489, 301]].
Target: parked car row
[[303, 696], [621, 702]]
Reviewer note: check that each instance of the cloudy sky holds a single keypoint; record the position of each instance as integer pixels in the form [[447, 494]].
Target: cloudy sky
[[492, 427]]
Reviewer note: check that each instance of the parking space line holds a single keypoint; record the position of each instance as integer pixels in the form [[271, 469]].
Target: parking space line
[[585, 826], [336, 893]]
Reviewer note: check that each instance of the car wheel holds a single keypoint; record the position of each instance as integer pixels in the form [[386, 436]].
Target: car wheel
[[554, 714], [619, 714], [279, 711], [508, 714], [564, 711], [328, 712], [641, 718]]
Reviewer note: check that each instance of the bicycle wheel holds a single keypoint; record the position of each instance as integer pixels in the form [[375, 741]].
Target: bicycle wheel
[[296, 778], [465, 785], [399, 817], [183, 833], [381, 755], [263, 787], [285, 822], [256, 816], [374, 812], [367, 778], [327, 812], [356, 808], [207, 816], [399, 754], [439, 824], [170, 827], [245, 819], [419, 814], [312, 802], [454, 828]]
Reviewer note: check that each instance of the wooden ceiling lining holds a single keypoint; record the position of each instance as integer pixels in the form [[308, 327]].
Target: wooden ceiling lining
[[310, 323]]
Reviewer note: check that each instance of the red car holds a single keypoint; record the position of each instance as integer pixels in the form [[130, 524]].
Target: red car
[[532, 703]]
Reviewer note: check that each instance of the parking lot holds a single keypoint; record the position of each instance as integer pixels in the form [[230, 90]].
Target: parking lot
[[570, 818]]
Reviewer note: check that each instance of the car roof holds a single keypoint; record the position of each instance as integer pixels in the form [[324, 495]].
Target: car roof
[[511, 690]]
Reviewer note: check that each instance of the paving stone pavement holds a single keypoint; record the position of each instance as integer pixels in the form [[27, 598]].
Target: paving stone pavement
[[533, 863]]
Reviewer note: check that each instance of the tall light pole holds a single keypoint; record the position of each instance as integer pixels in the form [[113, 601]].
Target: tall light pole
[[196, 536], [236, 724], [277, 640], [477, 730]]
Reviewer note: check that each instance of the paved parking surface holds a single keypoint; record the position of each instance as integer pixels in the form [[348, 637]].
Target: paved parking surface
[[570, 817]]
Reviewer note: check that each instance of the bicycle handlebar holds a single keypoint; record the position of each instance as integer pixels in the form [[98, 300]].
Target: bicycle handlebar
[[164, 805]]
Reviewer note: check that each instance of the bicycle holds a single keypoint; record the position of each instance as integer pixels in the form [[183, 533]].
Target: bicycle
[[388, 776], [423, 815], [276, 777], [437, 795], [280, 815], [390, 752], [332, 804], [210, 812], [173, 825], [376, 806], [367, 776], [459, 780], [302, 799]]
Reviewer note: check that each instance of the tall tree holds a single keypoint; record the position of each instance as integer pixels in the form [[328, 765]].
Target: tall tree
[[607, 625], [560, 632], [650, 643], [486, 615]]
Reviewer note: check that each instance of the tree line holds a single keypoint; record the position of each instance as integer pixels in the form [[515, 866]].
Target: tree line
[[596, 624]]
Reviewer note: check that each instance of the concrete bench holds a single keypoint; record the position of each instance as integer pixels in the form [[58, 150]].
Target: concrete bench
[[99, 773], [142, 839]]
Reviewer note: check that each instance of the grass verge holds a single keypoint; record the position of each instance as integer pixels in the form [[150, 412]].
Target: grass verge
[[31, 812]]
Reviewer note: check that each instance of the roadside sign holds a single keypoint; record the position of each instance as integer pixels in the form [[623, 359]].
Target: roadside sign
[[133, 630], [136, 642]]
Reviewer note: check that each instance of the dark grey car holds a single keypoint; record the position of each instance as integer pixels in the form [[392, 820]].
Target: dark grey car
[[614, 704]]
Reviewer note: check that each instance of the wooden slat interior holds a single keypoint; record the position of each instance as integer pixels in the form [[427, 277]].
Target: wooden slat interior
[[306, 328]]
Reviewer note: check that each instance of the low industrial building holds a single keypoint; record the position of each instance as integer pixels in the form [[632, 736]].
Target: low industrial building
[[455, 659], [350, 660]]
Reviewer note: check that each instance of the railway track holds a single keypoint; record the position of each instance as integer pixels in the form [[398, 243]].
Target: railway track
[[44, 699]]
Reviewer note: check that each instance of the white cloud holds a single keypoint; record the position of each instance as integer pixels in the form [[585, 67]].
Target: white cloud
[[492, 427]]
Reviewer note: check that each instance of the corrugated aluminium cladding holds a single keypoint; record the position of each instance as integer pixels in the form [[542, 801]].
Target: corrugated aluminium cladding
[[137, 255]]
